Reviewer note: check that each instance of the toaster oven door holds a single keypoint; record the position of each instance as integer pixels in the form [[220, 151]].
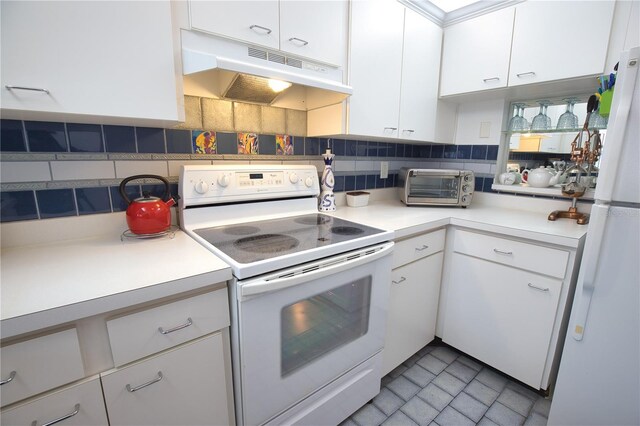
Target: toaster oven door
[[436, 189]]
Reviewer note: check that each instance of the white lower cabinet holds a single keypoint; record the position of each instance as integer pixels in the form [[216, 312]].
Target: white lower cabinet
[[183, 386], [413, 308], [501, 315], [80, 405]]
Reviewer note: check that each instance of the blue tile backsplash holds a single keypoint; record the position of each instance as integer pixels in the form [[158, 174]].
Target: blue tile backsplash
[[97, 142]]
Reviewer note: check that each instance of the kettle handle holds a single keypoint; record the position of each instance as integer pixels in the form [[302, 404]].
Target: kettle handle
[[123, 194]]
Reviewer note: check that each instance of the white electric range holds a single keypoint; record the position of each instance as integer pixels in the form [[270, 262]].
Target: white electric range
[[309, 296]]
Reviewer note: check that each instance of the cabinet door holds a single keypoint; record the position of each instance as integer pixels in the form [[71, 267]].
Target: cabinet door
[[475, 53], [420, 74], [376, 58], [79, 405], [413, 307], [254, 22], [501, 315], [92, 57], [316, 30], [552, 42], [184, 386]]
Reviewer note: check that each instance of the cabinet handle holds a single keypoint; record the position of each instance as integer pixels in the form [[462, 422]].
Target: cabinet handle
[[486, 80], [525, 73], [535, 287], [424, 247], [7, 380], [253, 27], [301, 41], [402, 279], [391, 128], [144, 385], [34, 89], [508, 253], [76, 410], [408, 130], [176, 328]]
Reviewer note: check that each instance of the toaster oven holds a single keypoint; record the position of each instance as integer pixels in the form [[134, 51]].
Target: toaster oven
[[436, 187]]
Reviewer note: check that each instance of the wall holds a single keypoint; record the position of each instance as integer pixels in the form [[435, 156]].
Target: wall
[[51, 169]]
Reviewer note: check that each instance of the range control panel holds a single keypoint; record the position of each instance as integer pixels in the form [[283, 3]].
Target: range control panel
[[200, 185]]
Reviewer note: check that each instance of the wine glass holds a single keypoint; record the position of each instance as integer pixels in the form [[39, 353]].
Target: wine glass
[[568, 120], [518, 123], [541, 121]]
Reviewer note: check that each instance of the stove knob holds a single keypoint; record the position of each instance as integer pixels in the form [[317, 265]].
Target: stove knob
[[223, 180], [308, 181], [293, 178], [202, 187]]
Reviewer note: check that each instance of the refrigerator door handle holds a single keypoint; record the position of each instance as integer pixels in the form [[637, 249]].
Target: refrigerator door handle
[[586, 281]]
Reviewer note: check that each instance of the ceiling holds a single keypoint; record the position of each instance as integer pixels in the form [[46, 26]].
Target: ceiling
[[447, 12]]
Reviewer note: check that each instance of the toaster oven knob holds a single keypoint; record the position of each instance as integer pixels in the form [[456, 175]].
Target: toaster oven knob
[[308, 181], [467, 178], [202, 187], [465, 188], [223, 180], [293, 178], [465, 199]]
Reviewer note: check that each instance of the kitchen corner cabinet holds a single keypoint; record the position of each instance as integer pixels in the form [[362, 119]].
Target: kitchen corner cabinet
[[505, 302], [413, 302], [316, 30], [394, 72], [475, 53], [68, 60]]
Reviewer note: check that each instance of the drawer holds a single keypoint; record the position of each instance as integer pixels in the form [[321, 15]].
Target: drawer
[[183, 386], [80, 405], [414, 248], [146, 332], [40, 364], [542, 260]]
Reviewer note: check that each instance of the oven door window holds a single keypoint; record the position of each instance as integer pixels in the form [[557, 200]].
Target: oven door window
[[434, 187], [313, 327]]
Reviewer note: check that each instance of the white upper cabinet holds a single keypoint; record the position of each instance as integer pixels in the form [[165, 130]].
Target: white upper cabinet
[[476, 53], [558, 40], [311, 29], [255, 22], [420, 72], [316, 29], [376, 58], [68, 60]]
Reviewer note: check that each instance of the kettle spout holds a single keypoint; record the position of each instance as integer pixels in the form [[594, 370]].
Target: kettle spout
[[171, 201], [557, 179]]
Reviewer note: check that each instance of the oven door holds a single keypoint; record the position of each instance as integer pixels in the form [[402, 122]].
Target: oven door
[[301, 328], [435, 188]]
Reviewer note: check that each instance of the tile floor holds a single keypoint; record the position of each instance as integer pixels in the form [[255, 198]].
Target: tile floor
[[440, 386]]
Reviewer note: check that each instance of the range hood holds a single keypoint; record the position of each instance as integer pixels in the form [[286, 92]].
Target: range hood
[[228, 69]]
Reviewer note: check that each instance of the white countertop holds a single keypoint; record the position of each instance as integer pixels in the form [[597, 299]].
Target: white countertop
[[394, 215], [53, 283]]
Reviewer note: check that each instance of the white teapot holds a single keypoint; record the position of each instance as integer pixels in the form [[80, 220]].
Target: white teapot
[[540, 177]]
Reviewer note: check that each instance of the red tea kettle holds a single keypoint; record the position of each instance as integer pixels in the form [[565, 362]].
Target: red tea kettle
[[147, 214]]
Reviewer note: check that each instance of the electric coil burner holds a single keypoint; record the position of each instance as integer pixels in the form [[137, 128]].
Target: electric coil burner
[[309, 295]]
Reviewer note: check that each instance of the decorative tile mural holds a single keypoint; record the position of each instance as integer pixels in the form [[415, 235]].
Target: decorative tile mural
[[284, 145], [204, 142], [248, 143]]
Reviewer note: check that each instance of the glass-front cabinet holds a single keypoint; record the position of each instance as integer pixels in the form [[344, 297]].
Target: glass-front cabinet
[[537, 143]]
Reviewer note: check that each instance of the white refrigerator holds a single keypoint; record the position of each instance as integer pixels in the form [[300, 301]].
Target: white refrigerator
[[599, 377]]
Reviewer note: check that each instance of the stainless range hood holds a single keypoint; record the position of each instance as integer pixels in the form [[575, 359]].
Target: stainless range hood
[[228, 69]]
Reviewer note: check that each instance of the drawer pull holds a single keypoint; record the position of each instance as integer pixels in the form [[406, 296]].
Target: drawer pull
[[486, 80], [144, 385], [265, 29], [402, 279], [7, 380], [535, 287], [33, 89], [522, 74], [299, 40], [75, 411], [176, 328], [507, 253], [391, 128], [424, 247]]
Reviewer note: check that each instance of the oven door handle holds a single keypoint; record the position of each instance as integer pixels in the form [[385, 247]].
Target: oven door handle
[[314, 271]]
